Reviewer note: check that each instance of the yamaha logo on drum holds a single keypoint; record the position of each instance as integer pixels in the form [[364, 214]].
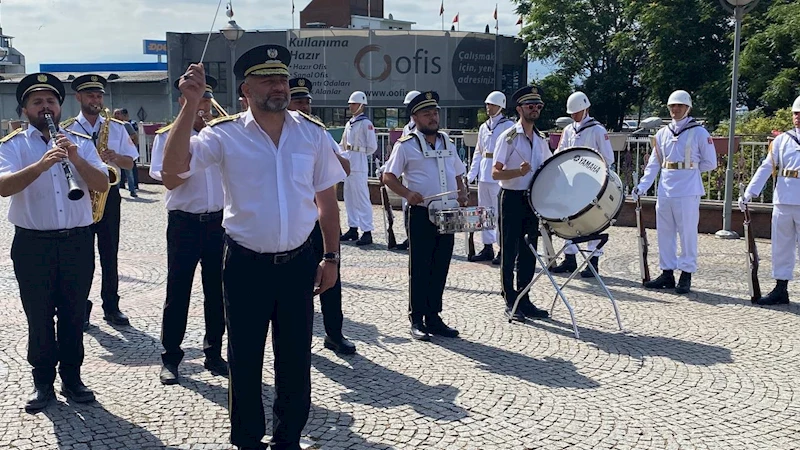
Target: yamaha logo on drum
[[587, 163]]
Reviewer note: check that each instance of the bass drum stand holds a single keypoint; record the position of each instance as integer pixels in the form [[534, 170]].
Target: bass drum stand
[[545, 261]]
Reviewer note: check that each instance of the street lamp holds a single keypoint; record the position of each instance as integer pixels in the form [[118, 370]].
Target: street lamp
[[232, 33], [740, 7]]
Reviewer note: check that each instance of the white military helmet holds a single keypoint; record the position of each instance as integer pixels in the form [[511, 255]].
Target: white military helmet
[[358, 97], [496, 98], [680, 97], [796, 105], [410, 96], [577, 102]]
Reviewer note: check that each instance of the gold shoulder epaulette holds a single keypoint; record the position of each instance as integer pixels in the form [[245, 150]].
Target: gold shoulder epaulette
[[405, 138], [117, 120], [11, 135], [541, 135], [311, 119], [165, 128], [222, 119], [85, 136], [67, 122], [511, 135]]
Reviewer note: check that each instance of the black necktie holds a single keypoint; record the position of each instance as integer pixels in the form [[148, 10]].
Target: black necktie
[[94, 138]]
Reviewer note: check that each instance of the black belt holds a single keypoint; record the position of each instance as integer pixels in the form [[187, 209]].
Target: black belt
[[524, 192], [52, 234], [202, 217], [273, 258]]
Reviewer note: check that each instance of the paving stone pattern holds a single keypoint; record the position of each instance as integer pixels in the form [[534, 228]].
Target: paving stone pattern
[[701, 371]]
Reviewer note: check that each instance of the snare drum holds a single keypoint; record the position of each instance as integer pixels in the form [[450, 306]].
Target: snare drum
[[575, 193], [465, 220]]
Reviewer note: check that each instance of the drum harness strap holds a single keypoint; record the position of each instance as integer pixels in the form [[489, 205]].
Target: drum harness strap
[[779, 169], [351, 122], [577, 131], [687, 163], [490, 154], [440, 155]]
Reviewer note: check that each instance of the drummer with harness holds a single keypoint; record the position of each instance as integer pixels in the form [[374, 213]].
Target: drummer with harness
[[682, 150], [585, 131], [428, 161]]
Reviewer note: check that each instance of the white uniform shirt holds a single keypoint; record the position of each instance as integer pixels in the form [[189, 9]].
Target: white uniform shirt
[[785, 155], [269, 190], [421, 174], [511, 154], [44, 205], [118, 138], [410, 127], [671, 146], [588, 133], [358, 141], [483, 157], [200, 193]]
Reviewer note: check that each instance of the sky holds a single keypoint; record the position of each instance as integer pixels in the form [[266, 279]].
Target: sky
[[59, 31]]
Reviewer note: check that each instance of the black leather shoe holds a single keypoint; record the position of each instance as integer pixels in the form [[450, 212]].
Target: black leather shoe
[[169, 374], [586, 272], [77, 392], [568, 265], [419, 333], [684, 283], [435, 325], [216, 366], [778, 296], [88, 313], [116, 318], [497, 259], [40, 397], [664, 281], [518, 316], [402, 246], [365, 239], [340, 345], [533, 312], [351, 235], [486, 254]]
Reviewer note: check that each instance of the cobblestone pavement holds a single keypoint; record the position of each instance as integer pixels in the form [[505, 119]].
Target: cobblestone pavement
[[702, 371]]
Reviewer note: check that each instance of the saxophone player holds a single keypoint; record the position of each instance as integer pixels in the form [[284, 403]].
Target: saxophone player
[[120, 152]]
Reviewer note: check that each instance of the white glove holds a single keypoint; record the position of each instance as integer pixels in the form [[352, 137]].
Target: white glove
[[743, 201], [635, 194]]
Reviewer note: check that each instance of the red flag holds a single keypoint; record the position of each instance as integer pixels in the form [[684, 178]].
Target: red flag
[[455, 19], [495, 12], [519, 22], [441, 10]]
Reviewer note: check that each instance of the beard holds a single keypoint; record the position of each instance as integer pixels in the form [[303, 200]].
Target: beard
[[40, 123], [91, 110], [428, 130], [272, 104]]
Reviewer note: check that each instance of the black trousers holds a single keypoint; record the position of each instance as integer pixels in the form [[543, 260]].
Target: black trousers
[[193, 238], [330, 300], [54, 274], [428, 264], [516, 219], [107, 231], [258, 289]]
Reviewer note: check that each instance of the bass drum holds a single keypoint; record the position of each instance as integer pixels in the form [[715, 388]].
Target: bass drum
[[575, 193]]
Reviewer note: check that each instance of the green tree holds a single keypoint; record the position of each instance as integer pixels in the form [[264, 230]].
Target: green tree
[[556, 88]]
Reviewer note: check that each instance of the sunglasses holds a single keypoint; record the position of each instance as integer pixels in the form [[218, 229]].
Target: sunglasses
[[533, 106]]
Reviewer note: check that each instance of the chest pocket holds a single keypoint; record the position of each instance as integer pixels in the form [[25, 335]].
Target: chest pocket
[[303, 168]]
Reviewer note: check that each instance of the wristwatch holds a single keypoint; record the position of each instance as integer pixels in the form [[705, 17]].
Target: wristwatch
[[332, 257]]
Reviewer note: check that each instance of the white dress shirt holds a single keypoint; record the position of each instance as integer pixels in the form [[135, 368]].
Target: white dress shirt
[[673, 142], [588, 133], [421, 174], [44, 205], [784, 156], [200, 193], [483, 158], [269, 190], [358, 141], [520, 148], [118, 138]]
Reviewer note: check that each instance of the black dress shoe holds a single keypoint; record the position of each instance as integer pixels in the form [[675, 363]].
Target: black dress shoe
[[587, 272], [778, 296], [497, 259], [340, 345], [418, 332], [351, 235], [486, 254], [169, 374], [435, 325], [402, 246], [568, 265], [531, 311], [77, 392], [216, 366], [365, 239], [664, 281], [684, 283], [518, 316], [40, 397], [116, 318]]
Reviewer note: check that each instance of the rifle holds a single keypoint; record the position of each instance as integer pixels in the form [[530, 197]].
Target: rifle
[[642, 237], [470, 246], [388, 217], [752, 254]]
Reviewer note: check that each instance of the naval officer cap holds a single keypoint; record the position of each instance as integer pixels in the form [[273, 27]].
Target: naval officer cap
[[211, 84], [424, 100], [40, 82], [300, 88], [527, 94], [89, 82], [264, 60]]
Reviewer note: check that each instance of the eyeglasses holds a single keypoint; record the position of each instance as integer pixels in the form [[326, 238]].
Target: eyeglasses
[[532, 106]]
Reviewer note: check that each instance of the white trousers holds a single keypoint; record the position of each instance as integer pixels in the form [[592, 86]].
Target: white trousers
[[572, 249], [356, 201], [677, 218], [785, 233], [488, 196]]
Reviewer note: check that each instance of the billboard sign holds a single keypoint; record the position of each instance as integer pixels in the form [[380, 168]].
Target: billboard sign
[[152, 47]]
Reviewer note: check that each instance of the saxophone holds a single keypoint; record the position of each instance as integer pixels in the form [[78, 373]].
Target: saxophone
[[99, 198]]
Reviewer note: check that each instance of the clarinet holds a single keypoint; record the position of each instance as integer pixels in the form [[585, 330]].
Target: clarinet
[[75, 192]]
